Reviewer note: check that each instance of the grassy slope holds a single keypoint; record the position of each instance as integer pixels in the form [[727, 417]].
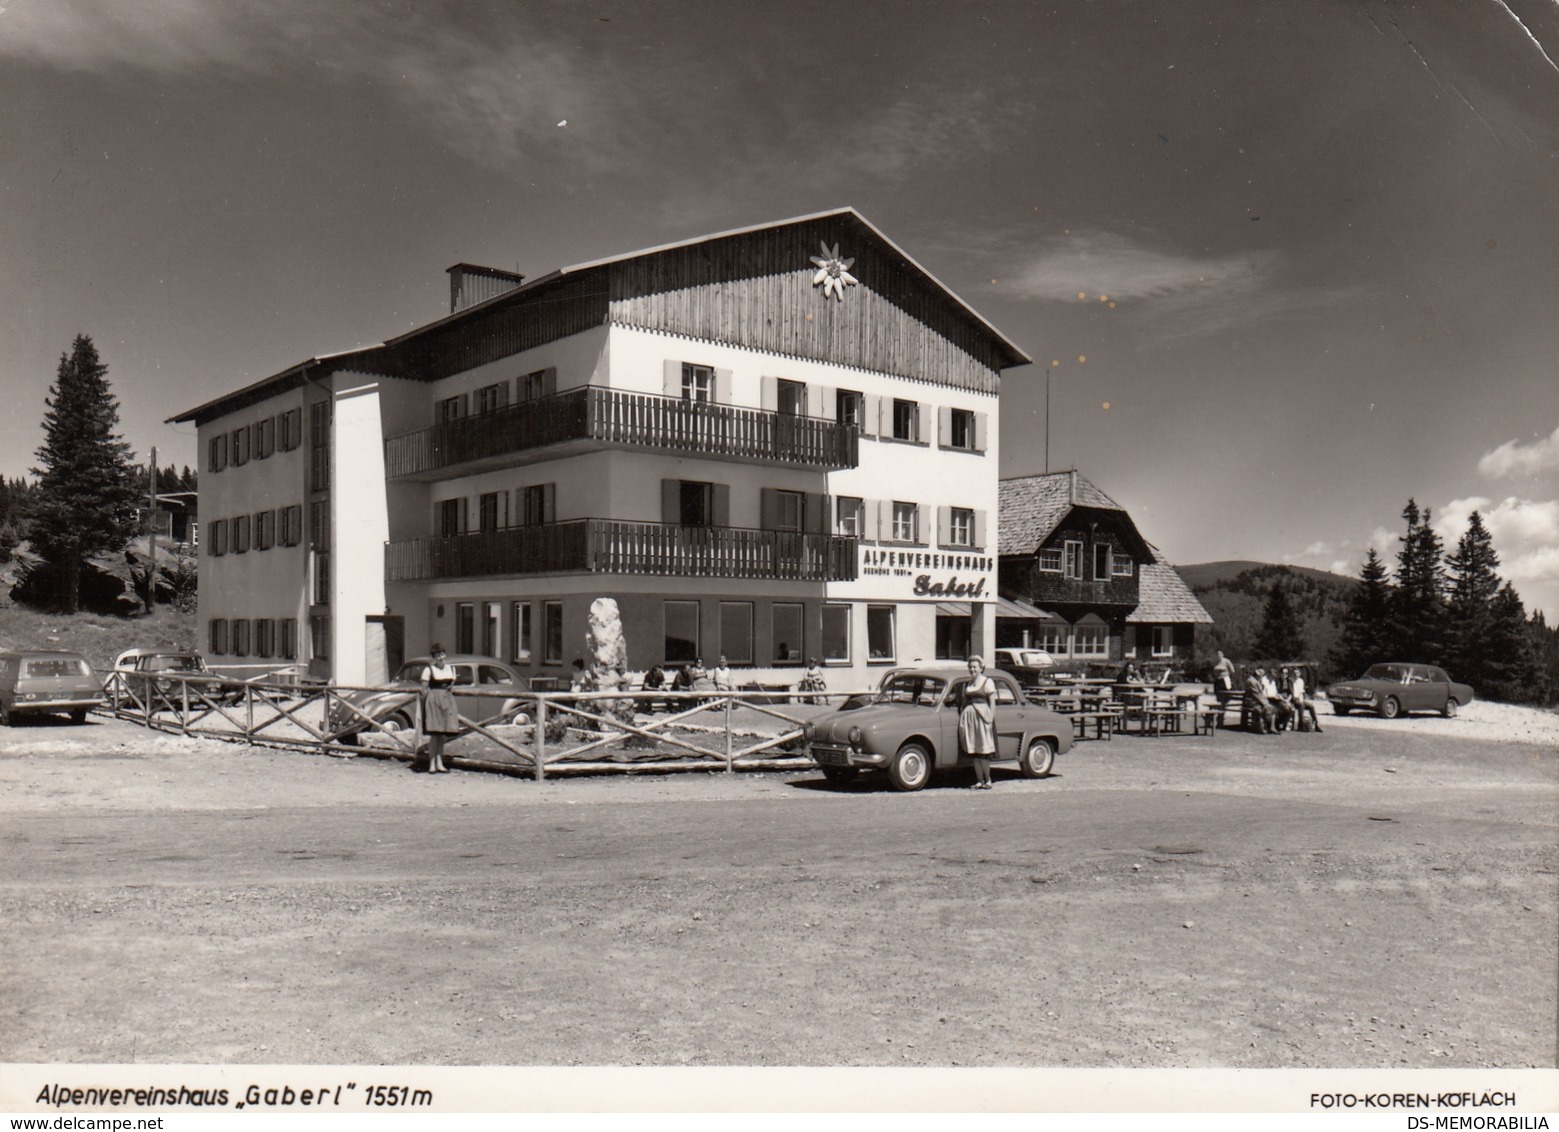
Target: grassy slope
[[96, 637]]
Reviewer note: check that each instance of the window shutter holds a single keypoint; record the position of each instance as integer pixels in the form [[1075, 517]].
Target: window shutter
[[815, 521], [873, 522], [944, 426], [768, 394], [549, 380], [769, 509], [980, 422], [720, 504], [549, 503], [722, 390], [827, 402], [671, 501], [869, 414], [944, 524], [885, 416], [920, 535], [979, 530], [673, 378]]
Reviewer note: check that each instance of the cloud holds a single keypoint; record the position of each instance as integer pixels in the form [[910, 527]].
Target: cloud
[[1103, 263], [1525, 534], [1514, 458]]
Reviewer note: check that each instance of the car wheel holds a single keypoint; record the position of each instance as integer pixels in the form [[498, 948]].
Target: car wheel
[[398, 721], [841, 775], [1038, 758], [79, 716], [1338, 709], [5, 716], [910, 768], [1449, 710], [1391, 708]]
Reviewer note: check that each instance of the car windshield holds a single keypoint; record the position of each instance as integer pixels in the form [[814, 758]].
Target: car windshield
[[911, 689], [174, 664], [1035, 659], [1392, 672], [61, 666], [411, 672]]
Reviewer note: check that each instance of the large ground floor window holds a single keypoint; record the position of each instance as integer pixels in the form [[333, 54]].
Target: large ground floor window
[[881, 645], [736, 631], [952, 637], [789, 632], [836, 634], [681, 634]]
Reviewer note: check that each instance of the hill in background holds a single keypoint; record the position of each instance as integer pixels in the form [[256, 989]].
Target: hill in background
[[1235, 594]]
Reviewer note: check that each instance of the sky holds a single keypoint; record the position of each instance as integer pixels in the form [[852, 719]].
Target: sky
[[1282, 264]]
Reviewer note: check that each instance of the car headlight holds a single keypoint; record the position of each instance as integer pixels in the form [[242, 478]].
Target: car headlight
[[809, 731], [855, 736]]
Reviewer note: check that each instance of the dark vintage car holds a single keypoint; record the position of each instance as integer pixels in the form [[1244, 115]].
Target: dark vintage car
[[394, 706], [155, 678], [47, 683], [1395, 689], [1032, 668], [910, 730]]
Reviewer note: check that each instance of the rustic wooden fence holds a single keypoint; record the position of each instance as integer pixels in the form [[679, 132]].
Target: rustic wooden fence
[[533, 734]]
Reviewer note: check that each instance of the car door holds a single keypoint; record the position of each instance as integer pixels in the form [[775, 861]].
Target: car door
[[1012, 717], [469, 706], [1420, 693], [492, 678]]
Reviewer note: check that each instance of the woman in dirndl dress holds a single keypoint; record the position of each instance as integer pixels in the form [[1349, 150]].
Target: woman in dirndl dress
[[440, 717], [977, 723]]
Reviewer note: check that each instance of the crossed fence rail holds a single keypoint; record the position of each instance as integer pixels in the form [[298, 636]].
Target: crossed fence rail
[[604, 730]]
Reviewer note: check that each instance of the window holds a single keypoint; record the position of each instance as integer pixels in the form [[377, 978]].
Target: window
[[291, 525], [241, 534], [552, 632], [492, 510], [465, 627], [319, 446], [906, 420], [789, 510], [1090, 640], [451, 517], [836, 634], [960, 430], [1049, 560], [264, 438], [240, 443], [697, 504], [216, 637], [792, 399], [451, 408], [319, 636], [698, 382], [491, 397], [960, 527], [534, 385], [319, 525], [952, 637], [880, 645], [850, 514], [906, 522], [537, 504], [736, 631], [216, 537], [1120, 566], [492, 614], [321, 578], [241, 636], [1074, 559], [1051, 638], [264, 530], [789, 640], [681, 631], [850, 408], [491, 675], [519, 631], [1101, 562], [289, 429], [289, 638], [216, 453], [264, 637], [1163, 640]]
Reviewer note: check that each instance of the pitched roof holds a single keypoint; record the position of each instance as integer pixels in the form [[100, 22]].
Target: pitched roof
[[1030, 507], [1164, 598]]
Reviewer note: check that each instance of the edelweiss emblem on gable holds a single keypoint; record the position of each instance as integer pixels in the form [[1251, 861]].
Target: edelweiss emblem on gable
[[833, 273]]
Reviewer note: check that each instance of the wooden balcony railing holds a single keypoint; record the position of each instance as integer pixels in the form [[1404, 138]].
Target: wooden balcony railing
[[613, 417], [607, 546]]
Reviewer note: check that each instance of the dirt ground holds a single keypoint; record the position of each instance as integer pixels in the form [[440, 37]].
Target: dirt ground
[[1383, 894]]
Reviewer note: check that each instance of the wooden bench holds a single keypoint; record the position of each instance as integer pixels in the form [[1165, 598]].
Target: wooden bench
[[1104, 723]]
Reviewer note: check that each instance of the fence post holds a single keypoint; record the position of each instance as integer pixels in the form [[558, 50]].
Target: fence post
[[730, 763], [249, 712], [184, 704], [541, 736]]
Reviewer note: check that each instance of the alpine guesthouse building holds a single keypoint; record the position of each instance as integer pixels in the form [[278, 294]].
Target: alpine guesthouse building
[[769, 444]]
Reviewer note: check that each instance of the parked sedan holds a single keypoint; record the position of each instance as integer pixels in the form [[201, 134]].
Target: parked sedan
[[1030, 667], [45, 683], [1391, 690], [394, 706], [154, 677], [910, 730]]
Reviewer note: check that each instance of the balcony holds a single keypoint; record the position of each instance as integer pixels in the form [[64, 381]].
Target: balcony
[[591, 418], [608, 546]]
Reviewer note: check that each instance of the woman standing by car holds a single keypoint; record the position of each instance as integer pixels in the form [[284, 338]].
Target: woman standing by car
[[977, 723], [440, 717]]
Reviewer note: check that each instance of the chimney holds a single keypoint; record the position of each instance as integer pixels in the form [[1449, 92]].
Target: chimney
[[470, 283]]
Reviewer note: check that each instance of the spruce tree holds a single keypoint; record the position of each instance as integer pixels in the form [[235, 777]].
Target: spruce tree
[[86, 500], [1512, 666], [1473, 586], [1366, 629], [1281, 637], [1418, 604]]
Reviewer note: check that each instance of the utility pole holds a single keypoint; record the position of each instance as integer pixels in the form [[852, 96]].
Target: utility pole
[[151, 524], [1047, 423]]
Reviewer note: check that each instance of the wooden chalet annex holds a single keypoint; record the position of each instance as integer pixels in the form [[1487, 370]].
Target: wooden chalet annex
[[1081, 582]]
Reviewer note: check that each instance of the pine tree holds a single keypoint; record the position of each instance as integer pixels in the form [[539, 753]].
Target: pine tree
[[1418, 604], [86, 500], [1366, 629], [1281, 637], [1473, 586], [1512, 667]]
